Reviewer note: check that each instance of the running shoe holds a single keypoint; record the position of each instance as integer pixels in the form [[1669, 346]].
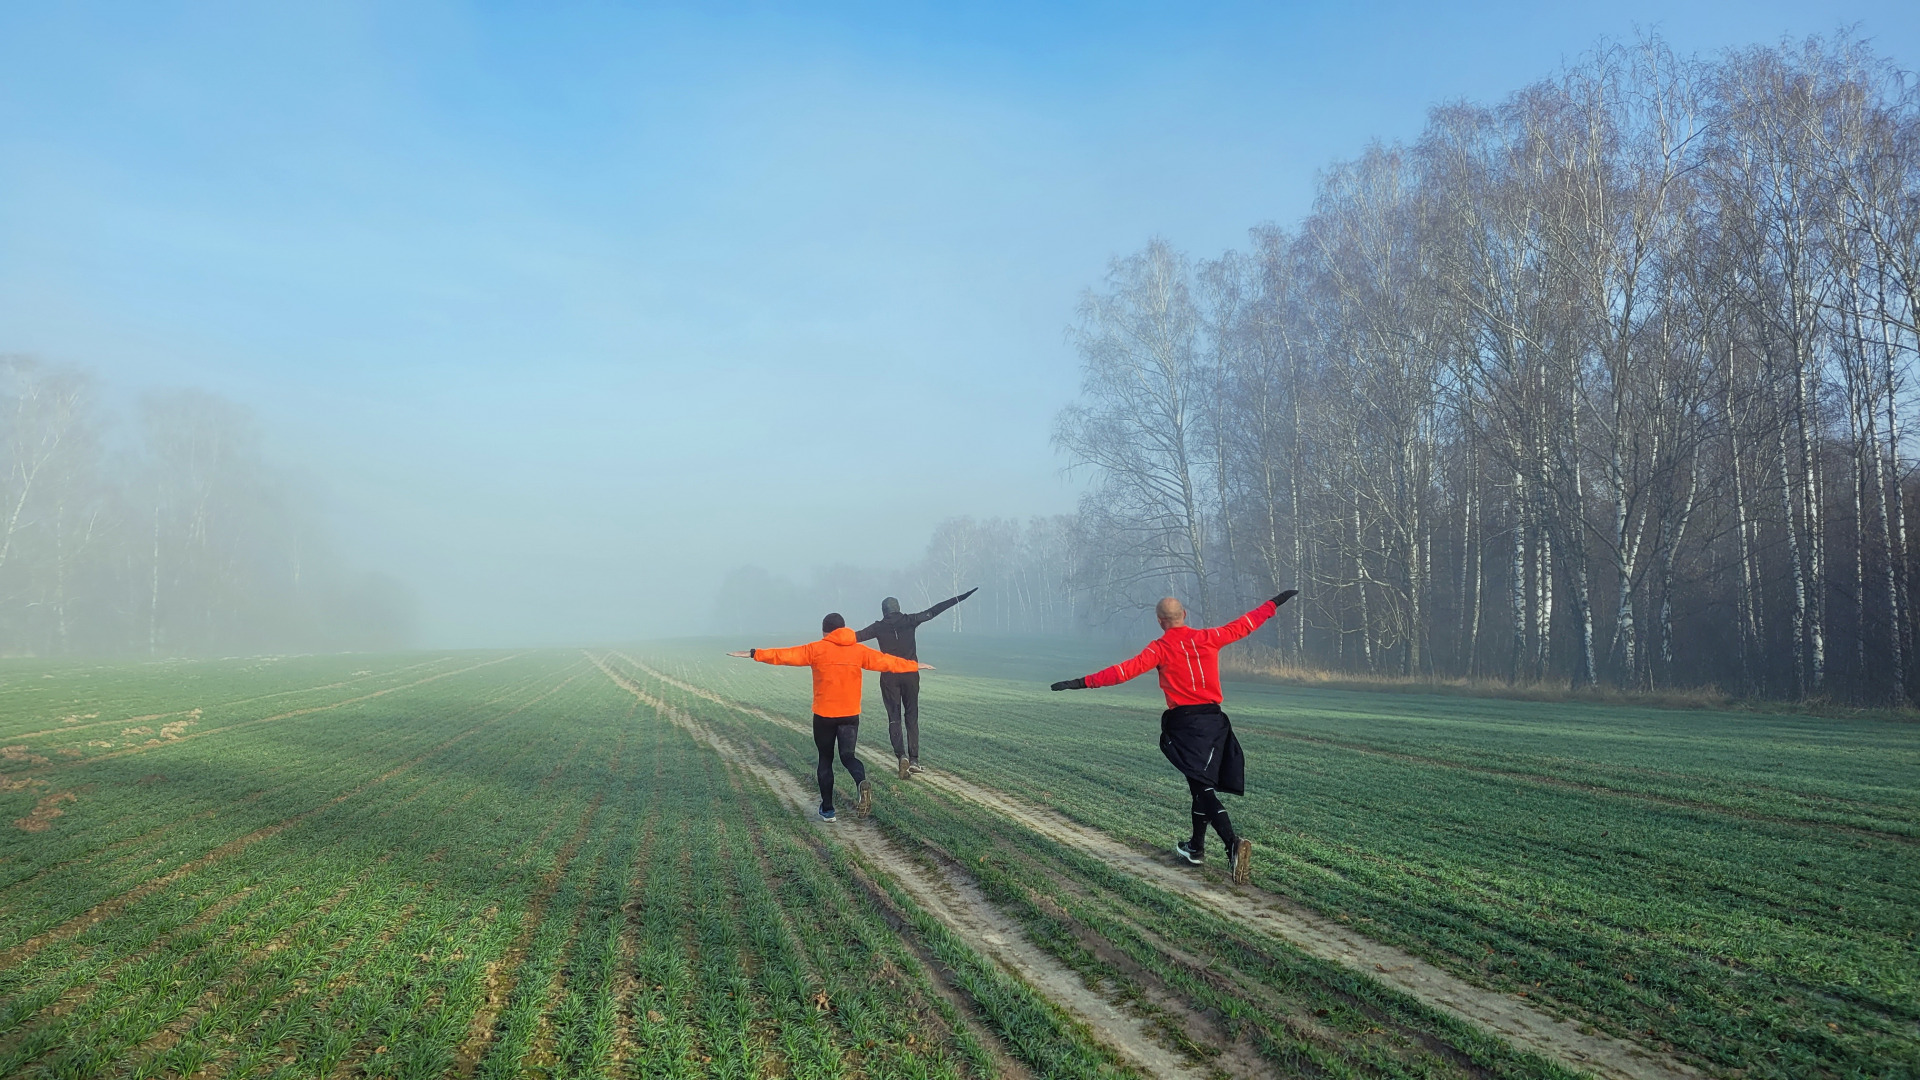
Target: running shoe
[[914, 766], [827, 815], [904, 767], [1240, 862], [1189, 853], [865, 805]]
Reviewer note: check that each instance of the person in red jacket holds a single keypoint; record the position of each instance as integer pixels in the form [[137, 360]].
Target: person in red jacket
[[837, 662], [1194, 734]]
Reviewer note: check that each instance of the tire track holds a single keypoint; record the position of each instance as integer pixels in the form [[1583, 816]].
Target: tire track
[[949, 897], [1271, 914]]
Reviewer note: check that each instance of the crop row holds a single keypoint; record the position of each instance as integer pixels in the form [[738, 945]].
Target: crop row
[[95, 708], [135, 820], [369, 917], [1147, 946], [511, 871], [1778, 943]]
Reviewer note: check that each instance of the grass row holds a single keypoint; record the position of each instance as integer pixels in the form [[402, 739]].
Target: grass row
[[1739, 888], [511, 871], [1139, 942]]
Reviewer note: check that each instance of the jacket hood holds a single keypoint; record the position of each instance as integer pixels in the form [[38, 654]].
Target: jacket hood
[[841, 636], [889, 606]]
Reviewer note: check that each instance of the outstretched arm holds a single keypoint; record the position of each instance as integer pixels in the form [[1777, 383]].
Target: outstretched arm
[[875, 660], [797, 656], [1148, 659], [943, 605], [1248, 623], [872, 631]]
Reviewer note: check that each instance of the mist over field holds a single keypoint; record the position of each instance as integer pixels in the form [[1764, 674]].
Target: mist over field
[[431, 434], [362, 326]]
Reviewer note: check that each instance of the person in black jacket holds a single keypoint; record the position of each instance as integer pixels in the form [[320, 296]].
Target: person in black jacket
[[894, 635]]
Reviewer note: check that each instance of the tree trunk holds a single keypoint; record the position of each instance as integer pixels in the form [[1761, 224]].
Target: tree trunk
[[1542, 604], [1517, 525], [1746, 593], [1799, 570]]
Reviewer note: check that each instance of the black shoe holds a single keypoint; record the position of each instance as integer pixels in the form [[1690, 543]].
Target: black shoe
[[1192, 854], [1240, 861]]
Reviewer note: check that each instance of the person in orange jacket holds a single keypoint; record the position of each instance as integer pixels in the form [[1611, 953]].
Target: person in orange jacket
[[837, 661]]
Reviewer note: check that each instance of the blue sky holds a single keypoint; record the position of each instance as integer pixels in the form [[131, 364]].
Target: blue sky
[[570, 308]]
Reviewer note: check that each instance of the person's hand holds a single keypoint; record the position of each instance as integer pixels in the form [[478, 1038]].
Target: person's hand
[[1070, 684], [748, 655], [924, 667], [968, 593], [1285, 596]]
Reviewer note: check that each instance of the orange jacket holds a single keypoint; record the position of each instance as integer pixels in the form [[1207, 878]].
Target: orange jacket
[[837, 661]]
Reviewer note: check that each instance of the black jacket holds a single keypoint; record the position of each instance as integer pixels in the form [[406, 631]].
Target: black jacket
[[894, 631]]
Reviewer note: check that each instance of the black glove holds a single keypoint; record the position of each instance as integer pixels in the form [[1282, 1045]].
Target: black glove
[[1071, 684], [966, 594], [1285, 596]]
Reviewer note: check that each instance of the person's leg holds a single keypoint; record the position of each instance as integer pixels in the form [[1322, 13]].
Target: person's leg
[[1202, 813], [910, 714], [848, 733], [849, 736], [890, 693], [823, 737], [1208, 810]]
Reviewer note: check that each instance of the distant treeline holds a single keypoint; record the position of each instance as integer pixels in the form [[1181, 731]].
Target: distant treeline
[[1024, 571], [167, 535], [1610, 382]]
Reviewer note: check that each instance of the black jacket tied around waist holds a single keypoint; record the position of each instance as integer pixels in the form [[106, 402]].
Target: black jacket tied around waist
[[1199, 741]]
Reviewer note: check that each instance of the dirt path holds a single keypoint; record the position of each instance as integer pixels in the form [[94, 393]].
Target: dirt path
[[1508, 1017], [948, 897]]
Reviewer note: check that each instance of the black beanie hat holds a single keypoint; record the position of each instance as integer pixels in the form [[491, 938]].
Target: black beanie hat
[[832, 622]]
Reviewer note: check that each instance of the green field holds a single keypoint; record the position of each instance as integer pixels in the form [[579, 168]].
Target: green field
[[501, 865]]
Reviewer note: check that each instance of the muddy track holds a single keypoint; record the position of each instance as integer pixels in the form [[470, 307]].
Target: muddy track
[[1505, 1016], [949, 897]]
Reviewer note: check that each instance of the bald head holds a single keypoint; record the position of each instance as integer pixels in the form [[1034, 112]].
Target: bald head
[[1170, 612]]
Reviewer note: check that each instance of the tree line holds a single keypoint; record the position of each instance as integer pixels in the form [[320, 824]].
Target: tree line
[[163, 533], [1607, 383], [1025, 572]]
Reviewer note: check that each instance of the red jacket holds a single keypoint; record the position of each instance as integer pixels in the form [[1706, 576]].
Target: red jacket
[[837, 662], [1188, 659]]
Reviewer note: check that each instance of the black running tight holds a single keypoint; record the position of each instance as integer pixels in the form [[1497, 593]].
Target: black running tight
[[1207, 810], [828, 730]]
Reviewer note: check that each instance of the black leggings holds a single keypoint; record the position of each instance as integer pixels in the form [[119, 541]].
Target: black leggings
[[901, 692], [1207, 810], [828, 730]]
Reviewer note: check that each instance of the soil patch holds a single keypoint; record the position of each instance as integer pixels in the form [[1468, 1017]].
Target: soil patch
[[40, 818]]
